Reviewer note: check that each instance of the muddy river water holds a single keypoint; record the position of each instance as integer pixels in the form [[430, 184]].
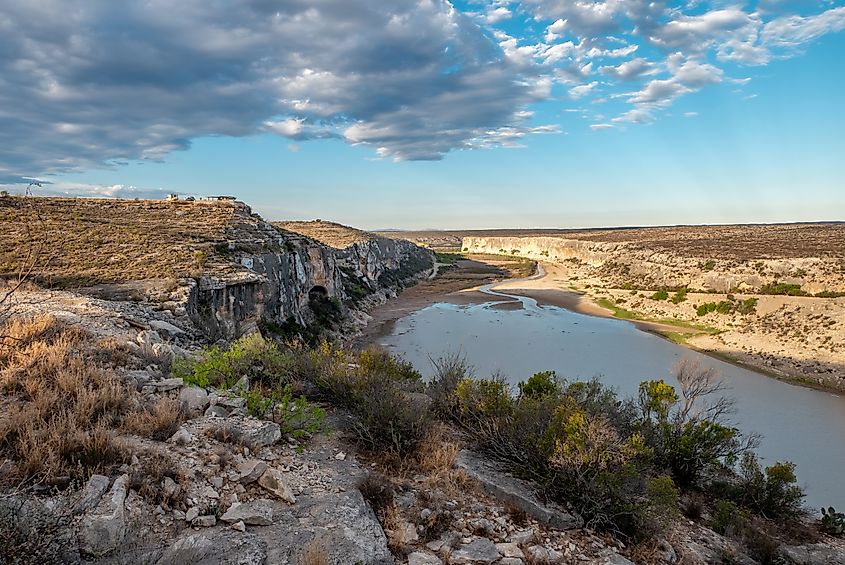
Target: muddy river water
[[517, 340]]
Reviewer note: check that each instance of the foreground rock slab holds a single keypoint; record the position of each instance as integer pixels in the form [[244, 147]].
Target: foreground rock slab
[[105, 528], [216, 547], [495, 481]]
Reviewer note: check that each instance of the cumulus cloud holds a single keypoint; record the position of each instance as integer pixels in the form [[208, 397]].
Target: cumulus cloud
[[83, 82]]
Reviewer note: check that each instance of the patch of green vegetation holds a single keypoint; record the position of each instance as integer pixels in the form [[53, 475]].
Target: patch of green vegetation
[[620, 313], [829, 294], [448, 258], [709, 265], [260, 358], [747, 306], [679, 296], [660, 295], [787, 289]]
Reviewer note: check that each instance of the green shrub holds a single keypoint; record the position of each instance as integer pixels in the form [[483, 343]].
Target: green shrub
[[685, 432], [783, 288], [773, 493], [679, 296], [709, 265], [253, 356], [829, 294], [726, 517], [540, 385], [833, 522], [660, 295], [747, 306], [373, 386]]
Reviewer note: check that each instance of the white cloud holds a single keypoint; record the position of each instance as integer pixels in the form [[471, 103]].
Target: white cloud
[[630, 70], [582, 90], [792, 31], [499, 14], [599, 127]]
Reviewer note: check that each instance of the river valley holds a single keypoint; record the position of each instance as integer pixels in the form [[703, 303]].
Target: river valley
[[514, 336]]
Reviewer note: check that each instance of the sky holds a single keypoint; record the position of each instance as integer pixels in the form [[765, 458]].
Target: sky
[[420, 114]]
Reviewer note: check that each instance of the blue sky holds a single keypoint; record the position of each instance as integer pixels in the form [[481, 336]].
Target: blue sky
[[425, 114]]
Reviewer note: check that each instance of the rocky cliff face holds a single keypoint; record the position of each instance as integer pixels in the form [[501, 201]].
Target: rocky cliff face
[[381, 262], [274, 274], [624, 262]]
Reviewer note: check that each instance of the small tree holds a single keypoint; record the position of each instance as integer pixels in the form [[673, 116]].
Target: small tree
[[689, 433]]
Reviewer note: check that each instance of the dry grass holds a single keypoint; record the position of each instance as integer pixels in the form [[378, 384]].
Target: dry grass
[[62, 404], [91, 241], [327, 233], [158, 421]]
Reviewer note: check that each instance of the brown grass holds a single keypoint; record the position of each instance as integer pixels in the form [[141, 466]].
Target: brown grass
[[62, 404], [91, 241], [158, 421]]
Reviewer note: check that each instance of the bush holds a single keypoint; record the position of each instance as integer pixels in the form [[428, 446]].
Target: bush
[[833, 522], [540, 385], [773, 493], [64, 405], [679, 296], [374, 387], [253, 356], [783, 288], [726, 517], [687, 432], [660, 295]]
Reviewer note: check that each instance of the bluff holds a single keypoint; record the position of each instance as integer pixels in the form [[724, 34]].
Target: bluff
[[214, 267]]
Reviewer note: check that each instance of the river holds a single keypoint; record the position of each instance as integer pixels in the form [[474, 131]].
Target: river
[[798, 424]]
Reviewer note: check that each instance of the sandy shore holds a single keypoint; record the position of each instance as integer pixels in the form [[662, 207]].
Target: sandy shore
[[552, 287]]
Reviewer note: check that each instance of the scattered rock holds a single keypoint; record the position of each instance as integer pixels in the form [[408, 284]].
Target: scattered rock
[[94, 489], [250, 470], [479, 550], [166, 327], [273, 482], [192, 513], [216, 547], [256, 513], [239, 526], [148, 338], [194, 397], [182, 437], [510, 550], [217, 412], [169, 384], [204, 521]]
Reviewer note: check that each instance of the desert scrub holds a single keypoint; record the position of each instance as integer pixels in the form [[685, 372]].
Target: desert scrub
[[64, 405], [379, 390], [729, 306], [660, 295], [679, 296], [784, 289], [253, 356]]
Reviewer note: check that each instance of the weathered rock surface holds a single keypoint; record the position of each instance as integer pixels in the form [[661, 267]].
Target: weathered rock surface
[[815, 554], [217, 546], [342, 523], [497, 482], [103, 529]]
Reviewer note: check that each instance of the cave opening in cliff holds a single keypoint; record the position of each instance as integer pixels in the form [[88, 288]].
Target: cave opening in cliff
[[317, 292]]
